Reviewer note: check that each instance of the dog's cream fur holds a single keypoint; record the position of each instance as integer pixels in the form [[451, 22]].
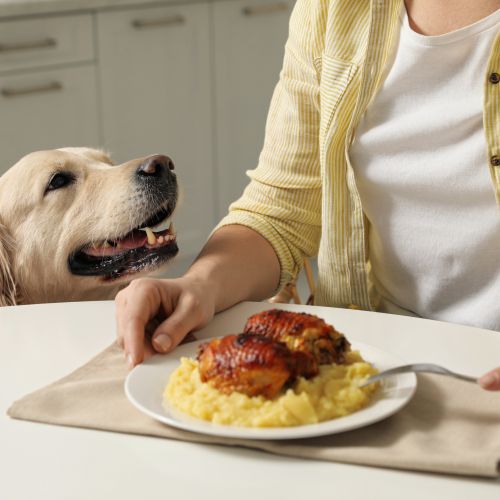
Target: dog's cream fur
[[39, 230]]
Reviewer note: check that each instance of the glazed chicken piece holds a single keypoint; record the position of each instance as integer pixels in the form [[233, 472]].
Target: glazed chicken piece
[[301, 332], [251, 364]]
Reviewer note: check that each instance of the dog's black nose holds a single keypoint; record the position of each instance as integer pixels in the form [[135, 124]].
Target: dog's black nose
[[155, 166]]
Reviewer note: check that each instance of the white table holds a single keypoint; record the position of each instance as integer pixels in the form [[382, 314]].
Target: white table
[[41, 343]]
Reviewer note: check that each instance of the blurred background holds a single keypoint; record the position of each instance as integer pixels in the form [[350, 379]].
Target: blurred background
[[189, 79]]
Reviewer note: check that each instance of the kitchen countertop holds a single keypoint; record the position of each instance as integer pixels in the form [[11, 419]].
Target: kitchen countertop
[[17, 8]]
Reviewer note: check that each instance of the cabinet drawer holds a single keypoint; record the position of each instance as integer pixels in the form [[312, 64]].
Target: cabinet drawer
[[33, 43], [45, 110]]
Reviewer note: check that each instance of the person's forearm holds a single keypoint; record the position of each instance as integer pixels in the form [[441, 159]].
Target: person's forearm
[[238, 264]]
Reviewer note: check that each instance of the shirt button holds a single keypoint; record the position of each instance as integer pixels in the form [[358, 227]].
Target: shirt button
[[495, 161], [494, 78]]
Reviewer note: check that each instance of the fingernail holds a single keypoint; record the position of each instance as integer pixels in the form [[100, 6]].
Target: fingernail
[[130, 361], [488, 380], [162, 342]]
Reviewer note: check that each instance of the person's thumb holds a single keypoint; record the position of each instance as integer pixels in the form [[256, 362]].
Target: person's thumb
[[491, 380], [185, 317]]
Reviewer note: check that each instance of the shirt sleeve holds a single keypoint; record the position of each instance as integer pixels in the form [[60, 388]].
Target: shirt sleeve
[[282, 202]]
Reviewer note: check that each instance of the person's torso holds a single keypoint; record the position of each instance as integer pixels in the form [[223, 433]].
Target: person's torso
[[421, 166]]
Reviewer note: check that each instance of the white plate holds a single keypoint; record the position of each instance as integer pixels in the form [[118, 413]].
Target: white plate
[[145, 384]]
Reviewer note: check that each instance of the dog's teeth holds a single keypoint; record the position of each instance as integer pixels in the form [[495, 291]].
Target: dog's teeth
[[158, 228], [160, 239], [171, 228], [161, 226], [151, 236]]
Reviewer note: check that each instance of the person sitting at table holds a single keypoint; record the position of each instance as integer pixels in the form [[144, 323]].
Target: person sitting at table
[[381, 157]]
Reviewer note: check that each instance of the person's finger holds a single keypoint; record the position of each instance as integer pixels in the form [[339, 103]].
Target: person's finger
[[491, 380], [141, 306], [120, 306], [148, 349], [186, 316]]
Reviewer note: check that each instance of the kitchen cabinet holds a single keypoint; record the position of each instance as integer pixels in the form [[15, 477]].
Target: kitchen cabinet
[[249, 40], [46, 110], [189, 79], [48, 91]]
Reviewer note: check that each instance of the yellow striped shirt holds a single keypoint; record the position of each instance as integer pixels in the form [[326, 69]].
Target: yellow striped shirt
[[302, 196]]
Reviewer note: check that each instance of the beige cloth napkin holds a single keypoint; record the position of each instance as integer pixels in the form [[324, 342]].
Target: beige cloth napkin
[[449, 426]]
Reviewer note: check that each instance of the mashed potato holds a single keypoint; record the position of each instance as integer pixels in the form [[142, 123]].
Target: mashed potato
[[331, 394]]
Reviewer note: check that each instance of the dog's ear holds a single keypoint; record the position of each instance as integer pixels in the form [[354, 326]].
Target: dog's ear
[[7, 283], [90, 153]]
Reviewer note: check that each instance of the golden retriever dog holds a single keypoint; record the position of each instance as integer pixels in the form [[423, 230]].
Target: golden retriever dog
[[73, 226]]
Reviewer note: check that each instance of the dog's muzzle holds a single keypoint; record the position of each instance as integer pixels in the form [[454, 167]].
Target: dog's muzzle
[[146, 246]]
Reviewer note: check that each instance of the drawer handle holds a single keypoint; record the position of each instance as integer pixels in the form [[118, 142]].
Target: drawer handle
[[50, 87], [156, 23], [259, 10], [46, 43]]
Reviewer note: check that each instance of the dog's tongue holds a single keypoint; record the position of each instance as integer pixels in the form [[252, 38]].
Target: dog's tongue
[[129, 242]]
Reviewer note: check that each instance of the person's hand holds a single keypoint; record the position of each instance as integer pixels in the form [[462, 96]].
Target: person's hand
[[491, 380], [155, 315]]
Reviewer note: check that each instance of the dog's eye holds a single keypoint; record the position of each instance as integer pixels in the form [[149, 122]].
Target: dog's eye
[[59, 180]]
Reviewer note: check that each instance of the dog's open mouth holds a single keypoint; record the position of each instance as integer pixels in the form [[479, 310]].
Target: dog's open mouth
[[147, 246]]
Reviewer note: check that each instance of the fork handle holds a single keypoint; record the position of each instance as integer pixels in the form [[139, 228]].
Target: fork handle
[[430, 368], [418, 368]]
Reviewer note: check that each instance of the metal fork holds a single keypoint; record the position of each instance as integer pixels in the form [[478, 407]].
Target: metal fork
[[417, 368]]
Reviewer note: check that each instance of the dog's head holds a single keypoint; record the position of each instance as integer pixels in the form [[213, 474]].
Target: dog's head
[[73, 225]]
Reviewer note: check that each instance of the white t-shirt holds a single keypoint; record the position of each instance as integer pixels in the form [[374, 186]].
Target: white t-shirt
[[422, 172]]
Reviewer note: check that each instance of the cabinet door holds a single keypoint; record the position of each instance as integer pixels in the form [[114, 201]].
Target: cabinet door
[[250, 36], [156, 98], [46, 110]]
